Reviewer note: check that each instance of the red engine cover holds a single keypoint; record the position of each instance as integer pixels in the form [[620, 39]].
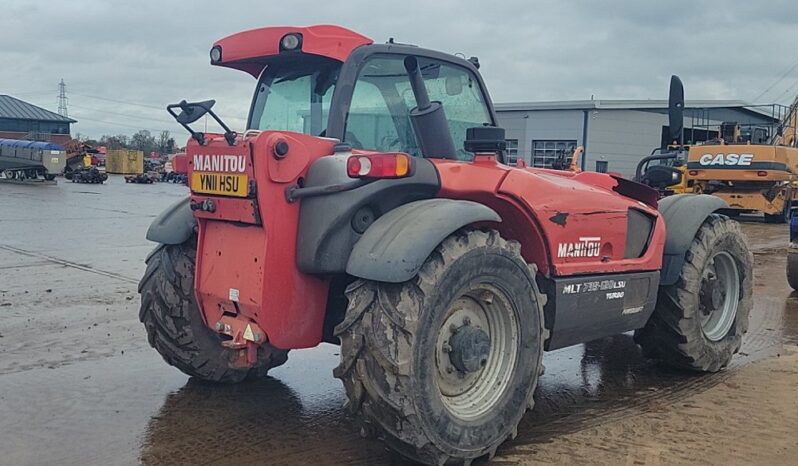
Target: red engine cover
[[567, 223]]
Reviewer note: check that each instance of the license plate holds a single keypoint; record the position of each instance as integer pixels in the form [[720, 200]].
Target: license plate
[[224, 184]]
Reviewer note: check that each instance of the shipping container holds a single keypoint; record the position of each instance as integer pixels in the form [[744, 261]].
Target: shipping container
[[124, 161]]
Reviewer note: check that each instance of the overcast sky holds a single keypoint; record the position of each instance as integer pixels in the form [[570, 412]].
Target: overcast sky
[[123, 61]]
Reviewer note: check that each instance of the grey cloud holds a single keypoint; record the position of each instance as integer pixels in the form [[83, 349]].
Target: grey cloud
[[155, 52]]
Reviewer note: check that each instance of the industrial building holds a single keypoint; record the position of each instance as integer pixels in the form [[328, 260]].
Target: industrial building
[[614, 133], [22, 120]]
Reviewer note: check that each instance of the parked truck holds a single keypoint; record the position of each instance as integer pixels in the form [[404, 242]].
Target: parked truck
[[30, 160]]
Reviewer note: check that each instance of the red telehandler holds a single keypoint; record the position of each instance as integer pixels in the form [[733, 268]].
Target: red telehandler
[[368, 205]]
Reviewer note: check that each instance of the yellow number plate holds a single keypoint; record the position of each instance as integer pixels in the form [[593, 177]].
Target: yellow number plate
[[224, 184]]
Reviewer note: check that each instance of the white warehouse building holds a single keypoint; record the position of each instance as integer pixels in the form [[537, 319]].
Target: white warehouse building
[[614, 133]]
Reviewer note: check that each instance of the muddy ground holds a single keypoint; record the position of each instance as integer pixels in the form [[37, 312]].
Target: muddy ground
[[79, 384]]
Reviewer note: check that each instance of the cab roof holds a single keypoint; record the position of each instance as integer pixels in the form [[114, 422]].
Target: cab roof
[[249, 50]]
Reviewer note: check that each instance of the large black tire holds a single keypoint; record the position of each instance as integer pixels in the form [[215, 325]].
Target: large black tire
[[390, 360], [674, 333], [792, 270], [175, 327]]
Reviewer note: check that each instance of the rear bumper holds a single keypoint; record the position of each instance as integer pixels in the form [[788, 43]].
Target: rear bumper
[[247, 272]]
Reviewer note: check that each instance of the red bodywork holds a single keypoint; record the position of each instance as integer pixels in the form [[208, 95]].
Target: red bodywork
[[180, 163], [258, 265], [543, 208], [246, 273], [247, 50]]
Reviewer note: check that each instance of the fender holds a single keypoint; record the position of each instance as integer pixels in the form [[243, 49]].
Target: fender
[[683, 215], [396, 245], [174, 225]]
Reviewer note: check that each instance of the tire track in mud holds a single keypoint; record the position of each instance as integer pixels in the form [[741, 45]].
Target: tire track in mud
[[67, 263]]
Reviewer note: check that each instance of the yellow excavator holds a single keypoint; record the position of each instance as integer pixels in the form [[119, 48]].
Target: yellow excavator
[[752, 170]]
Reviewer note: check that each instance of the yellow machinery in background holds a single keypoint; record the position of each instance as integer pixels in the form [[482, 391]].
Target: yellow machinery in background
[[124, 161], [752, 170]]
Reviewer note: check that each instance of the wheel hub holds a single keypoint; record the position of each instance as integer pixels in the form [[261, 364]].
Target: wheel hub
[[719, 296], [470, 348], [713, 293], [476, 351]]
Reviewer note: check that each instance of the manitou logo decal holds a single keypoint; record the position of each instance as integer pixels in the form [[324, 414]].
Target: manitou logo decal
[[588, 246], [220, 163], [726, 159]]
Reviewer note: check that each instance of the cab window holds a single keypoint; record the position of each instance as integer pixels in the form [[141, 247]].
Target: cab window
[[378, 116]]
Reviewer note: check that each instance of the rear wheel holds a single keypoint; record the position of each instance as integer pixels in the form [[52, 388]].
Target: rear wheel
[[699, 322], [175, 327], [444, 366], [792, 270]]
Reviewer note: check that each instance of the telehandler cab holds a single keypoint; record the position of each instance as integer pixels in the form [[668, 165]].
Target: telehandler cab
[[368, 205]]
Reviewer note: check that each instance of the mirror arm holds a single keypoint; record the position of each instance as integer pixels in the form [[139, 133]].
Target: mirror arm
[[229, 135], [199, 137]]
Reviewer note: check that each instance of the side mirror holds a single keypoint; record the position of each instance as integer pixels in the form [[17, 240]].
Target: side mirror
[[676, 110], [193, 111]]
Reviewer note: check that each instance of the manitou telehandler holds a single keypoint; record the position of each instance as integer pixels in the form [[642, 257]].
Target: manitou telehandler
[[367, 204]]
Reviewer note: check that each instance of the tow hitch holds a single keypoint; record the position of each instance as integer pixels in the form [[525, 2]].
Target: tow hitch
[[245, 337]]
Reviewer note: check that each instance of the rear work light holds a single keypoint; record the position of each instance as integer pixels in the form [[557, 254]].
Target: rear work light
[[291, 41], [379, 166], [216, 54]]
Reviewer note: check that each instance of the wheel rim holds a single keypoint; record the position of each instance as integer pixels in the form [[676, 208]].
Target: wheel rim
[[476, 351], [719, 296]]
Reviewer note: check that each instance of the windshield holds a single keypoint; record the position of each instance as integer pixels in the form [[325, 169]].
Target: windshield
[[294, 95]]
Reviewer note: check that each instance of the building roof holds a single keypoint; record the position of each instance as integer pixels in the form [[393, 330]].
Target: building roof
[[628, 104], [16, 109]]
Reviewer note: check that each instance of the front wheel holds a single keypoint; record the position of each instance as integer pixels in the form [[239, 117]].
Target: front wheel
[[444, 366], [699, 322], [175, 327]]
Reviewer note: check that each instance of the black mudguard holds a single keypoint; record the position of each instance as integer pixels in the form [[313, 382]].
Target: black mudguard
[[396, 245], [174, 225], [683, 215]]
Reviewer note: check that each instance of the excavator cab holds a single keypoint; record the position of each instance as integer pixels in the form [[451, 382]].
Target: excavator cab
[[730, 132]]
